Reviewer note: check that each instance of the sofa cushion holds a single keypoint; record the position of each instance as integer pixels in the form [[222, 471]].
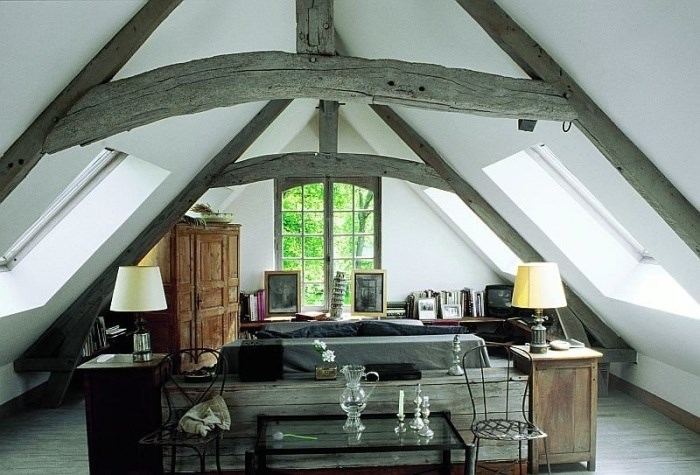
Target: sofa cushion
[[375, 328], [326, 330]]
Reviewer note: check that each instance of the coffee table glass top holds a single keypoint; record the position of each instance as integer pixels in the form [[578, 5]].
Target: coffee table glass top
[[318, 434]]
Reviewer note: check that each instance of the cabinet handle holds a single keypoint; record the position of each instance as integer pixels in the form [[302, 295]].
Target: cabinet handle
[[199, 301]]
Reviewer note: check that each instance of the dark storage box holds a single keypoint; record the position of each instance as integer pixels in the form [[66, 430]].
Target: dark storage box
[[260, 360]]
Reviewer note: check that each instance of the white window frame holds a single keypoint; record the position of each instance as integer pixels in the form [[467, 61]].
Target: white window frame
[[546, 159], [88, 179], [371, 183]]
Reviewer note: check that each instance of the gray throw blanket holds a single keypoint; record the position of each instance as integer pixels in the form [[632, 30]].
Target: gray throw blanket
[[205, 416]]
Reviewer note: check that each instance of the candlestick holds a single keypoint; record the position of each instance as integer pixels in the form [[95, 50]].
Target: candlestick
[[401, 402]]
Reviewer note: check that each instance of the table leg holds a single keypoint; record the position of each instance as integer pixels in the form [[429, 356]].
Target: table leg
[[249, 462], [469, 460], [446, 466]]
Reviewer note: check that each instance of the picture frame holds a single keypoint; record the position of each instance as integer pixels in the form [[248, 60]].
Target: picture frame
[[283, 292], [451, 311], [426, 309], [368, 292]]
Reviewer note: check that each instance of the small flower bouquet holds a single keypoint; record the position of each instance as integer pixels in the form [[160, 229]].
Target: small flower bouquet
[[328, 369]]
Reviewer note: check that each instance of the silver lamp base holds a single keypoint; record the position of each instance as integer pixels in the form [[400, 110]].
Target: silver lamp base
[[142, 347], [539, 334]]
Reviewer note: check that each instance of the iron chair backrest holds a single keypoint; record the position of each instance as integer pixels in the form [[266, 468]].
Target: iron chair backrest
[[493, 388], [180, 395]]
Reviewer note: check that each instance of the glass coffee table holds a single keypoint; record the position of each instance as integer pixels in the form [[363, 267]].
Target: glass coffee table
[[299, 435]]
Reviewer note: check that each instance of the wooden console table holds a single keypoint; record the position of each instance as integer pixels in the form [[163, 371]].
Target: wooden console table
[[122, 404], [563, 403]]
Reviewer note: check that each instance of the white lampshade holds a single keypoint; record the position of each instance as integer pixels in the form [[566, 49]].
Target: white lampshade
[[138, 289], [538, 285]]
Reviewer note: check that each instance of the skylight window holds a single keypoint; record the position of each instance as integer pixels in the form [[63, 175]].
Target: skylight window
[[72, 237], [90, 177], [585, 231], [544, 157]]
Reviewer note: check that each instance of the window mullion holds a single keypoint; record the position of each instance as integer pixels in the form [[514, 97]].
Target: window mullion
[[328, 239]]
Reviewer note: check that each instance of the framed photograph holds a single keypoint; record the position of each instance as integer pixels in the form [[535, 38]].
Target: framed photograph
[[426, 309], [283, 290], [368, 292], [451, 311]]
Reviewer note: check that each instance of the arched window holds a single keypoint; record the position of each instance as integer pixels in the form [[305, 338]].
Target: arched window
[[326, 225]]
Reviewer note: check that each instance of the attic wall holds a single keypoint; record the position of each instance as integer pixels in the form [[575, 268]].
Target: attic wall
[[412, 236]]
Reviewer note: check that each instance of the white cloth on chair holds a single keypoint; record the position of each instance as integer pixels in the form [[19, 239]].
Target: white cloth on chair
[[205, 416]]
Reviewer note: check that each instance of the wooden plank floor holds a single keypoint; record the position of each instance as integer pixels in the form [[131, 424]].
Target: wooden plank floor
[[632, 439]]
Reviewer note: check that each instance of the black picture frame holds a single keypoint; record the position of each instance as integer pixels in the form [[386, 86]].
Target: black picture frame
[[368, 293], [283, 292]]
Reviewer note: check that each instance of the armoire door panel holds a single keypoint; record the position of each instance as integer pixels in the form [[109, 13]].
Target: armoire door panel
[[200, 269]]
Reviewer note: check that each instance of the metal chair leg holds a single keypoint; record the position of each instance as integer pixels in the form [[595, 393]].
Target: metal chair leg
[[546, 457], [173, 451], [218, 461], [202, 455]]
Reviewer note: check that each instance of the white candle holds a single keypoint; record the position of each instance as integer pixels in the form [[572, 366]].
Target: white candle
[[401, 402]]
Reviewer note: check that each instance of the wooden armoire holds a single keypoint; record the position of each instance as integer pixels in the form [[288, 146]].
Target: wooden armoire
[[200, 270]]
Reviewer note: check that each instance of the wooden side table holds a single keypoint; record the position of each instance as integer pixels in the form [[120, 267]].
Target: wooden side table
[[563, 403], [122, 404]]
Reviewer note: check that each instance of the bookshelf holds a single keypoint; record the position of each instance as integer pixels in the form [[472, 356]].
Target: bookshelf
[[104, 336]]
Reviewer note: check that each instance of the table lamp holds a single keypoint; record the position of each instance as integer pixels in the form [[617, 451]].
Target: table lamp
[[538, 286], [139, 289]]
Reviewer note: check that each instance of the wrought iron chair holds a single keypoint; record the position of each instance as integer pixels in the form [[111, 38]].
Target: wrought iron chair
[[184, 367], [499, 400]]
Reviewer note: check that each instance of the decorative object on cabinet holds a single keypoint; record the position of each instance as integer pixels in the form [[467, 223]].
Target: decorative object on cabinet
[[538, 286], [139, 289], [210, 216], [340, 282], [368, 292], [283, 292], [200, 269]]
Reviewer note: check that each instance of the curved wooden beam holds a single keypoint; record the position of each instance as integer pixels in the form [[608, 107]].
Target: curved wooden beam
[[227, 80], [312, 164]]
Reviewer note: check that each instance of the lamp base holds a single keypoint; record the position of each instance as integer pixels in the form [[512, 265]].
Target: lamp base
[[142, 343], [539, 334], [142, 357], [538, 349]]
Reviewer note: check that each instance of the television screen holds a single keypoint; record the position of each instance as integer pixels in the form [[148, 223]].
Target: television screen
[[498, 300]]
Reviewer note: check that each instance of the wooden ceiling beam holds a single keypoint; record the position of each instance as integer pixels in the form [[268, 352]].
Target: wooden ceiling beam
[[23, 155], [227, 80], [619, 150], [321, 165], [316, 35], [576, 312], [315, 28]]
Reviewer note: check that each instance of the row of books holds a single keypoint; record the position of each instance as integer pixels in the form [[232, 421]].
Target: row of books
[[253, 306], [99, 336], [445, 304]]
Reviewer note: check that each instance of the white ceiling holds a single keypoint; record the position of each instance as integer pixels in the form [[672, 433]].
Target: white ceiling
[[638, 59]]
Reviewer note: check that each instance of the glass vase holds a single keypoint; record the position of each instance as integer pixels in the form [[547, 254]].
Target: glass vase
[[353, 399]]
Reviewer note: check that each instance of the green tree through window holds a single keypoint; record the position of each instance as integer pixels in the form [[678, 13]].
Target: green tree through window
[[320, 232]]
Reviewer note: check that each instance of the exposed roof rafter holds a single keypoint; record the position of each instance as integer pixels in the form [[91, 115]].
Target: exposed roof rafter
[[576, 309], [59, 347], [26, 151], [620, 151]]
